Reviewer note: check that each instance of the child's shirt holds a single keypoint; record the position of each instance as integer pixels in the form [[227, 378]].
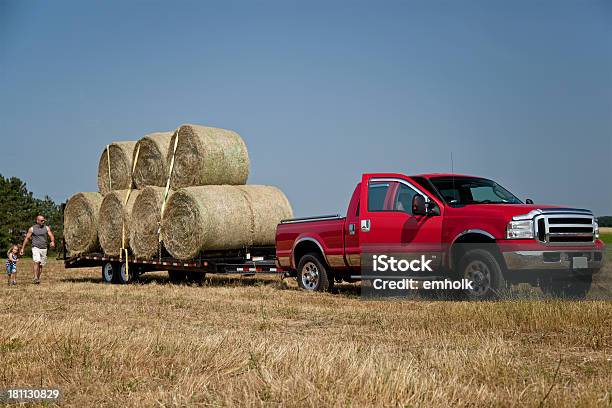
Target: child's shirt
[[11, 260]]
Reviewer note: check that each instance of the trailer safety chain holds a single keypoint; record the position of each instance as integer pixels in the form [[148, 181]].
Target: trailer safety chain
[[110, 181], [163, 206]]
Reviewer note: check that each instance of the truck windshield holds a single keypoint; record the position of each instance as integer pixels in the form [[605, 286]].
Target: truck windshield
[[471, 190]]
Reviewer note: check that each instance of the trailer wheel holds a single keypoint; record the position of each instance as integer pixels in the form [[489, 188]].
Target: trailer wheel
[[313, 275], [196, 277], [123, 277], [177, 276], [109, 272], [482, 268]]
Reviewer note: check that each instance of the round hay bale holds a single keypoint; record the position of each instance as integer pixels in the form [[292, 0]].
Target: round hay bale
[[112, 218], [152, 166], [81, 223], [121, 154], [207, 218], [145, 220], [206, 155]]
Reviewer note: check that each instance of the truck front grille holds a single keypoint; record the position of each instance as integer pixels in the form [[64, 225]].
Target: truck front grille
[[565, 228]]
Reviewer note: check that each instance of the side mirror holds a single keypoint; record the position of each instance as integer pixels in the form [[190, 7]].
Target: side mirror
[[418, 205], [529, 201]]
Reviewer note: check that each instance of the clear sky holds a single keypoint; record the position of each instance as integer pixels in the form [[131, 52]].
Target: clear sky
[[321, 91]]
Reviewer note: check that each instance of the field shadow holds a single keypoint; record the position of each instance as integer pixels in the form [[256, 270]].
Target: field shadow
[[161, 278], [599, 291], [82, 279]]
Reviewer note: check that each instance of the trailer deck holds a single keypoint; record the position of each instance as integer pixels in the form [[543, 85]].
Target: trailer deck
[[115, 269]]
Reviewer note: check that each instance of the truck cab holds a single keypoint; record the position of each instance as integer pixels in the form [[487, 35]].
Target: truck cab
[[471, 227]]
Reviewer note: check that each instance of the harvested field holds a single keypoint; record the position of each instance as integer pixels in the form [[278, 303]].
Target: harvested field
[[262, 342]]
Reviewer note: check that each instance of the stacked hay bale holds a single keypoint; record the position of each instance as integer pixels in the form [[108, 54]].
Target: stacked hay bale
[[145, 222], [208, 156], [114, 220], [152, 166], [190, 192], [206, 218], [116, 173], [81, 223]]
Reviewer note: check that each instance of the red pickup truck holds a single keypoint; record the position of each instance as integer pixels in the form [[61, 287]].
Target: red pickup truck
[[471, 227]]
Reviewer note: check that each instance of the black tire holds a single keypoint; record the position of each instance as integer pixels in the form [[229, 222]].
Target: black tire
[[177, 276], [482, 268], [123, 270], [575, 287], [313, 275], [110, 272], [195, 277]]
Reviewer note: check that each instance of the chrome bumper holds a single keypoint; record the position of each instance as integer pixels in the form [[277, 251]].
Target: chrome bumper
[[551, 260]]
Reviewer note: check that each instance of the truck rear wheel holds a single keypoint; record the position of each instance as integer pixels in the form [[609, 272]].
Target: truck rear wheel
[[109, 272], [481, 268], [572, 287], [312, 274]]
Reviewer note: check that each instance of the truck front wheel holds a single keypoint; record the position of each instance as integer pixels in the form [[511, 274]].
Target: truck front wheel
[[481, 268], [312, 275]]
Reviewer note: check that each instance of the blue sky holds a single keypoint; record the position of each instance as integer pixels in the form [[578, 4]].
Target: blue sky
[[518, 91]]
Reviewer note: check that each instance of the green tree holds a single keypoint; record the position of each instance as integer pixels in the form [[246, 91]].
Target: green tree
[[18, 211], [605, 221]]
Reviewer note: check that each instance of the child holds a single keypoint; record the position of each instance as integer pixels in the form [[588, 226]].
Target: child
[[11, 265]]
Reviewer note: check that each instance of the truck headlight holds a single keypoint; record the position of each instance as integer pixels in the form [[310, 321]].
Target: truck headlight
[[596, 228], [519, 229]]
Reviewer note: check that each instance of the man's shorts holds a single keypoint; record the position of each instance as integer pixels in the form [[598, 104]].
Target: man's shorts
[[39, 255], [11, 268]]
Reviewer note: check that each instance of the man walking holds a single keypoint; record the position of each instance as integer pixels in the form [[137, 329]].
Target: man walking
[[39, 233]]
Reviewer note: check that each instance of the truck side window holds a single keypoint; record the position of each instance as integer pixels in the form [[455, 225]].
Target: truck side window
[[377, 192], [403, 199]]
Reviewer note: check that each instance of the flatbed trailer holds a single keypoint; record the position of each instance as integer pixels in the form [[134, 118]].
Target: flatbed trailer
[[245, 262]]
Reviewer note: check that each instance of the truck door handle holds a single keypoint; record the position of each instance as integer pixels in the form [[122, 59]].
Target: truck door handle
[[351, 229], [365, 225]]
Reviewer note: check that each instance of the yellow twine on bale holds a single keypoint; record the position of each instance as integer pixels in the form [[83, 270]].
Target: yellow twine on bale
[[110, 181], [125, 202], [163, 206]]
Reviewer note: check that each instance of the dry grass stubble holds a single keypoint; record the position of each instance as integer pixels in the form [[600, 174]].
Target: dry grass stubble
[[246, 342]]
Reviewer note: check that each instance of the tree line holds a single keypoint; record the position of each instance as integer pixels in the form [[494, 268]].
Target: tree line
[[18, 211]]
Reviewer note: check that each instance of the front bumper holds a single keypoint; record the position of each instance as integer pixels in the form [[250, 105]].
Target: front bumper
[[554, 260]]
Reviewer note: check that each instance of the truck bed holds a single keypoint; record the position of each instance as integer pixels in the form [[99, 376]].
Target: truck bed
[[325, 231]]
